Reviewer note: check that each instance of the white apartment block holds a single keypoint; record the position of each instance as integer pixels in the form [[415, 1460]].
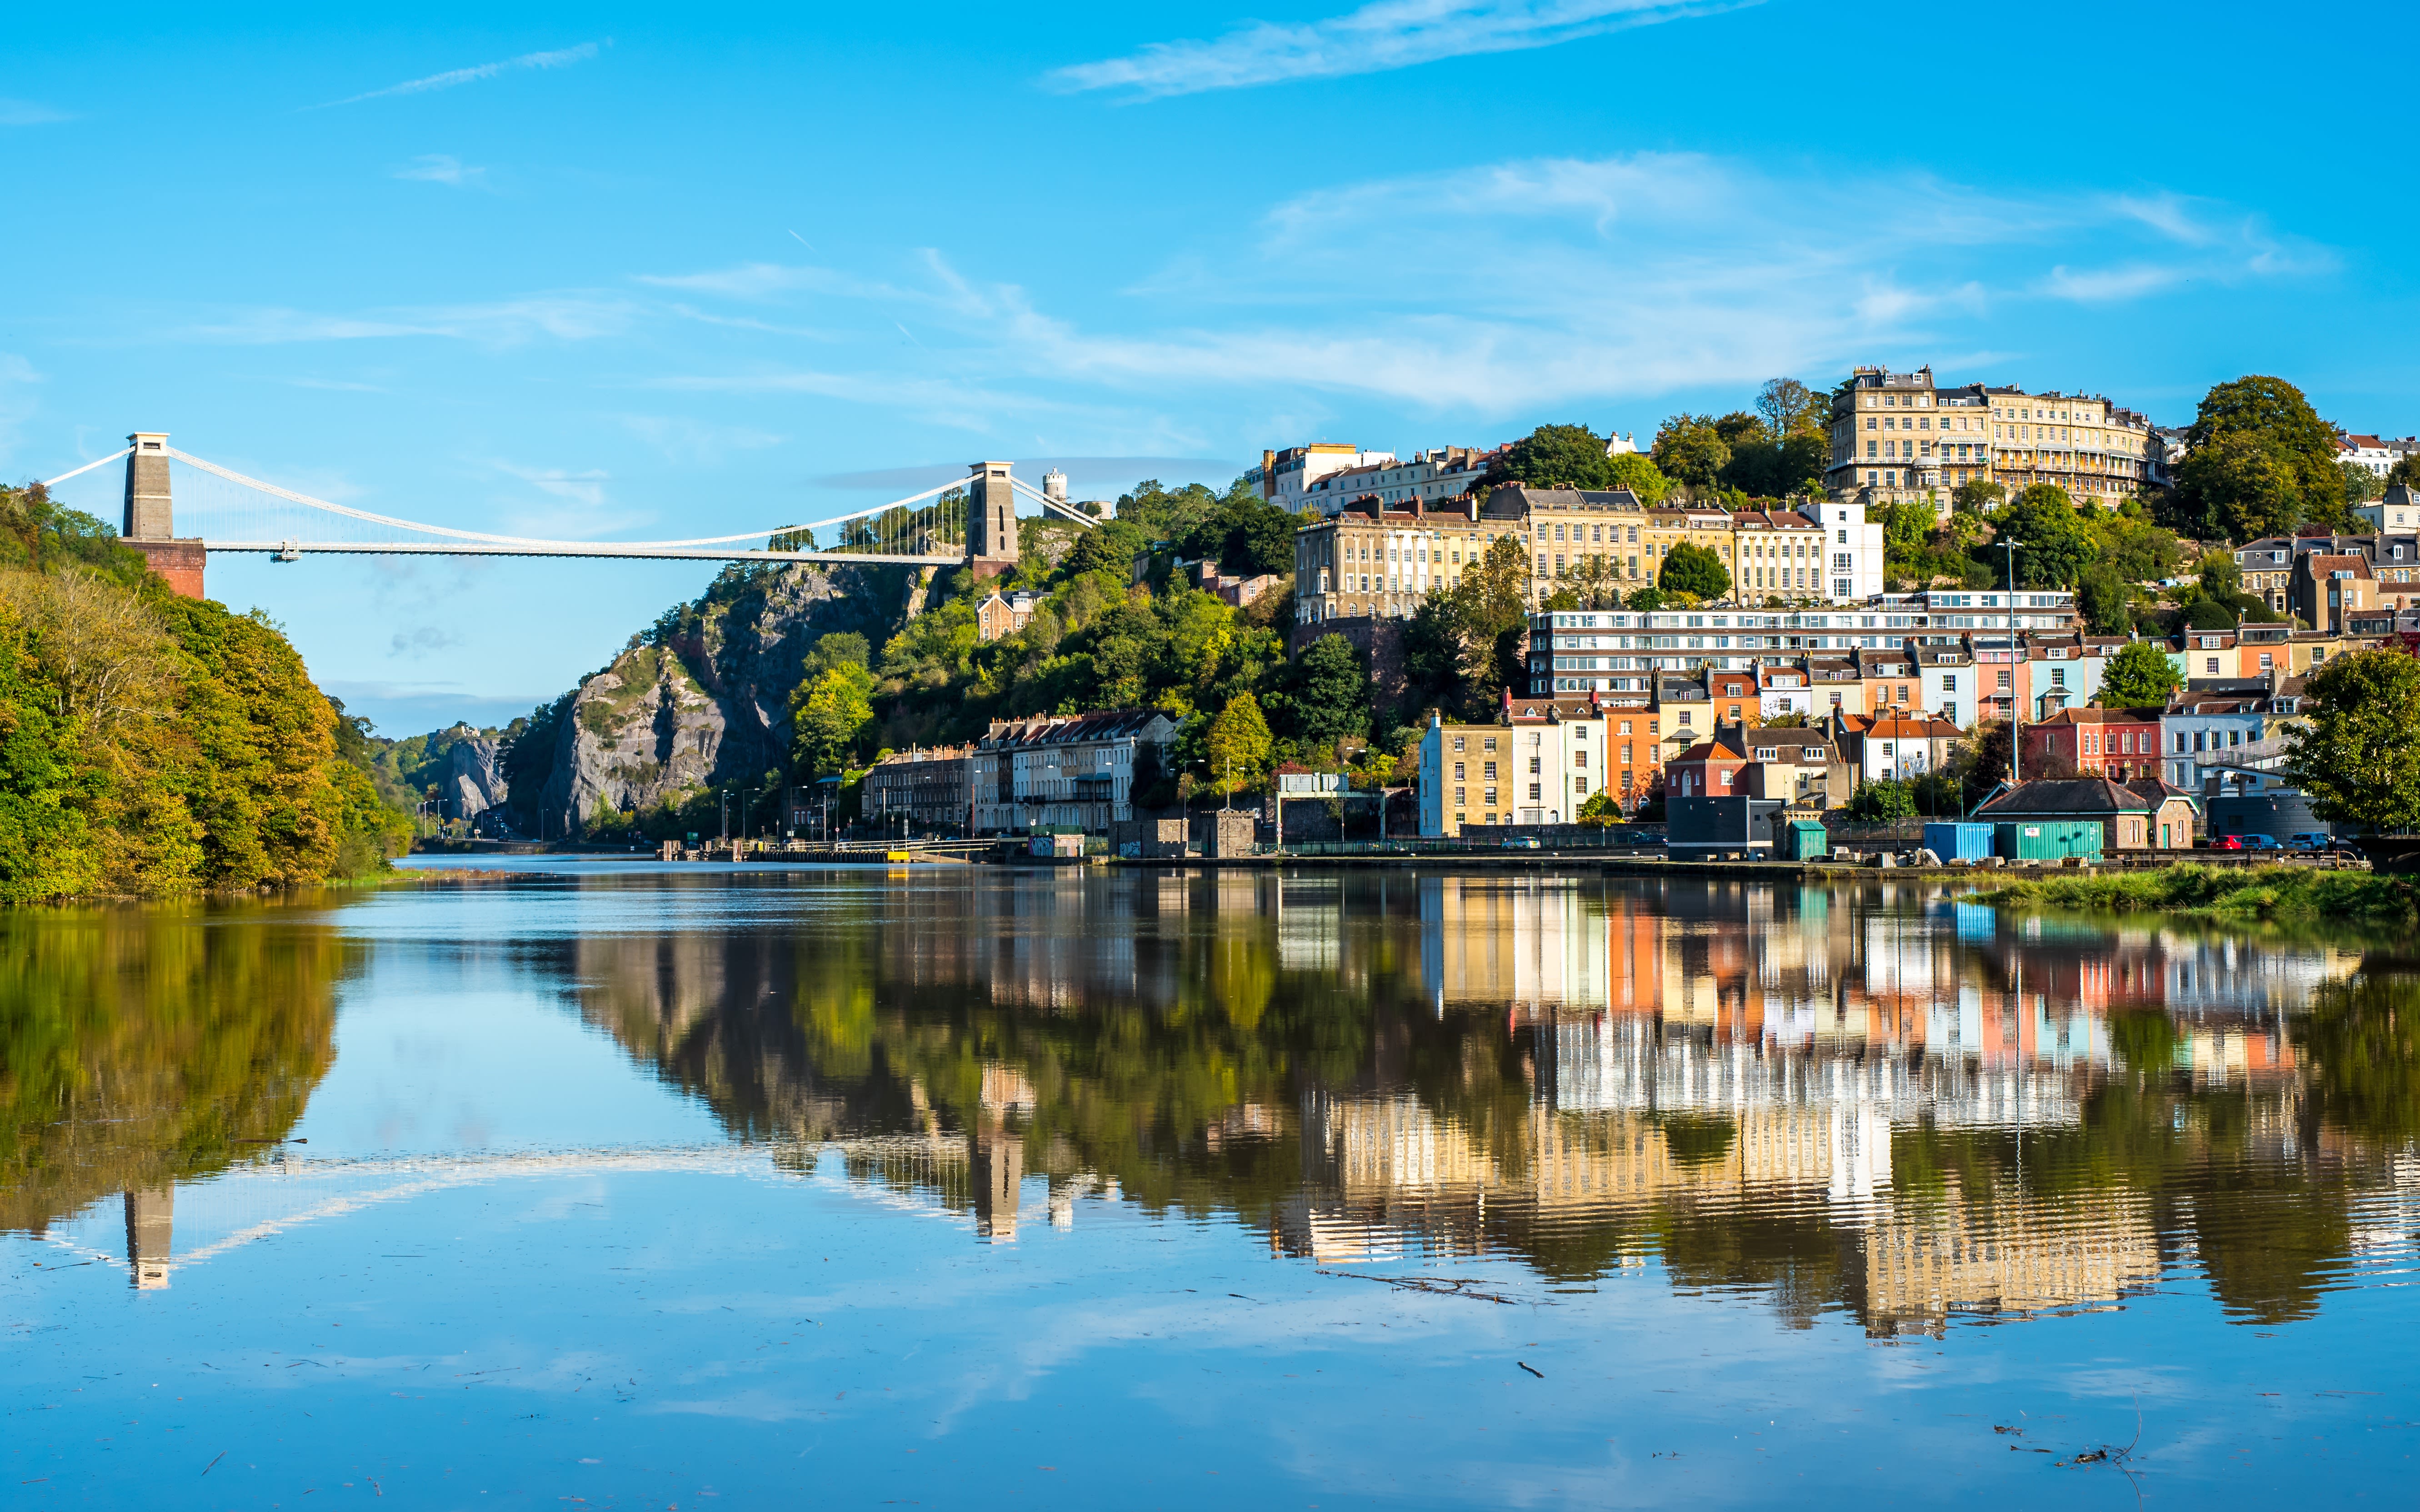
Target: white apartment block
[[2373, 455], [1427, 478], [1617, 651], [1286, 478]]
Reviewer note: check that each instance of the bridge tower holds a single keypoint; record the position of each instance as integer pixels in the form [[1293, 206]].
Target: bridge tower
[[150, 516], [991, 519], [150, 1223]]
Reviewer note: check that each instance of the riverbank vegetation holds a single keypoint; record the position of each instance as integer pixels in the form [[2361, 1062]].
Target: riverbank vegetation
[[2268, 894], [152, 744]]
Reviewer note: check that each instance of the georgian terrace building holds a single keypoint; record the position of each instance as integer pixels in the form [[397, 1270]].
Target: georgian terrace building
[[1902, 436], [1062, 773]]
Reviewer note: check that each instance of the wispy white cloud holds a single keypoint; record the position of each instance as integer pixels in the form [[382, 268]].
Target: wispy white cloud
[[30, 113], [586, 487], [444, 168], [1388, 34], [1549, 282], [562, 57], [682, 440], [575, 506], [500, 323]]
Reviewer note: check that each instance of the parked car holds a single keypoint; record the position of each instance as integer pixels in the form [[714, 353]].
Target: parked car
[[2259, 842], [2226, 842], [2315, 840]]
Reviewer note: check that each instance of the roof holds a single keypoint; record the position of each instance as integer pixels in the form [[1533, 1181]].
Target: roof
[[1106, 724], [2352, 563], [2089, 797], [2095, 715]]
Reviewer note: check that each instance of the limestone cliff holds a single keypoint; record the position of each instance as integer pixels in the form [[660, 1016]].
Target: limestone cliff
[[470, 783], [704, 697]]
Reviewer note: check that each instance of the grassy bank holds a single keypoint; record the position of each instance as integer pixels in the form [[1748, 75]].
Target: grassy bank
[[2275, 894]]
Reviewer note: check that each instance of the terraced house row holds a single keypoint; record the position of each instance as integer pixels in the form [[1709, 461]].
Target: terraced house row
[[1371, 559]]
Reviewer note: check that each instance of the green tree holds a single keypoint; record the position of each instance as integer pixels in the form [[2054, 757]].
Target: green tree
[[2260, 462], [1907, 528], [1323, 695], [1638, 472], [1688, 449], [1237, 749], [2359, 757], [1883, 800], [1789, 407], [2104, 600], [830, 716], [2361, 485], [1556, 456], [2140, 676], [1694, 570], [2405, 471], [2053, 545], [1491, 611], [1600, 809], [1978, 495]]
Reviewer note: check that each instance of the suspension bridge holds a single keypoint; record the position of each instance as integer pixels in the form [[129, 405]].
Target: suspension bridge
[[970, 521]]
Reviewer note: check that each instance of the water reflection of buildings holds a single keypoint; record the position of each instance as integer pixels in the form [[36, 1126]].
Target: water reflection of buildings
[[1717, 1056]]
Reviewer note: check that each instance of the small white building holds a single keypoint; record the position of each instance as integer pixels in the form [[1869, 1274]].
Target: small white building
[[1853, 547]]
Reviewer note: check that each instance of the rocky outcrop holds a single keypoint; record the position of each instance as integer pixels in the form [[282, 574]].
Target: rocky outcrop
[[706, 698], [471, 784]]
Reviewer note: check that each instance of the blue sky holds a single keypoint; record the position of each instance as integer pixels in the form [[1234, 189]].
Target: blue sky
[[644, 274]]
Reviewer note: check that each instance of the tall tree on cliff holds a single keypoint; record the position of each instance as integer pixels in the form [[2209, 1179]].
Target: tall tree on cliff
[[2261, 462]]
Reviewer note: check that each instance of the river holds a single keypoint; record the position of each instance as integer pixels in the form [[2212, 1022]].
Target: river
[[554, 1183]]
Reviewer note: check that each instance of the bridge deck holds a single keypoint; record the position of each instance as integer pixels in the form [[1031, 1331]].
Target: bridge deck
[[575, 549]]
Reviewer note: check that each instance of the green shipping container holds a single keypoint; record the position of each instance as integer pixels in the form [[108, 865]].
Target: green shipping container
[[1805, 839], [2047, 840]]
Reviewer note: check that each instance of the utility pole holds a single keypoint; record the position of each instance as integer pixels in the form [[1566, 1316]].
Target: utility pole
[[2016, 701]]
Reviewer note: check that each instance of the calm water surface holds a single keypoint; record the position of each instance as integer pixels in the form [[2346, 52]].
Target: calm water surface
[[618, 1185]]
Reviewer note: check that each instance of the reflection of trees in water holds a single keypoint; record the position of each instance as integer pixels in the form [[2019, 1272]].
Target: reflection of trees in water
[[140, 1047], [1206, 1045]]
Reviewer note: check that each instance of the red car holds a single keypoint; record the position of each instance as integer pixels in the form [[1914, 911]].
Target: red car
[[2225, 842]]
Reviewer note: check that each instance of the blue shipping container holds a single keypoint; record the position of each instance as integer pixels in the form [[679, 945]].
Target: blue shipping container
[[1959, 841]]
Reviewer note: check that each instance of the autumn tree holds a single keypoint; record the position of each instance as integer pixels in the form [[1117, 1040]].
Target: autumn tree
[[1238, 746]]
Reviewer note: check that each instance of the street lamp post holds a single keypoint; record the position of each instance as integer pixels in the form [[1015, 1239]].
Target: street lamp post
[[2016, 701]]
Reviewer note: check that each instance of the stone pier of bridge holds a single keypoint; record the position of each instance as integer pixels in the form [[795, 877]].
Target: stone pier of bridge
[[150, 525]]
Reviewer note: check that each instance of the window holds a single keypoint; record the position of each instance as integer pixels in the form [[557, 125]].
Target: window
[[1949, 683], [1457, 800], [1579, 787], [1490, 797], [1579, 758], [1685, 719], [1488, 771], [1457, 771], [1488, 743], [2209, 666], [1727, 779], [1457, 745], [1533, 792]]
